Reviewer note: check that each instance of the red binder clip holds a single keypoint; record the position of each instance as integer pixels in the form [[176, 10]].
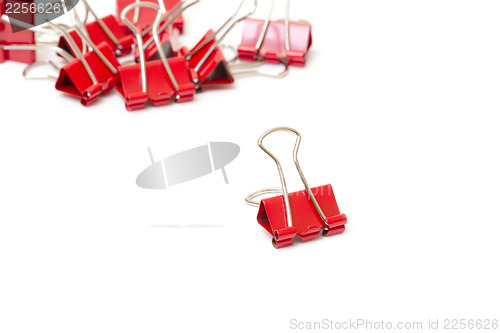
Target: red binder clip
[[102, 30], [143, 18], [157, 81], [166, 32], [206, 59], [276, 41], [8, 37], [88, 75], [305, 213]]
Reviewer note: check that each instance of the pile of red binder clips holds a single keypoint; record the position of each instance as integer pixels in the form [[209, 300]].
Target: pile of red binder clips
[[94, 53]]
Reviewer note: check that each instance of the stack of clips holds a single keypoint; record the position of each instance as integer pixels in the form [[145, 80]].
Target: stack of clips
[[138, 51]]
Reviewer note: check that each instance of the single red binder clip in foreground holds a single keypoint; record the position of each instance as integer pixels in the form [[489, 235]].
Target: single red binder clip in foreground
[[276, 41], [306, 213], [8, 37], [143, 18], [88, 75], [206, 60], [158, 81]]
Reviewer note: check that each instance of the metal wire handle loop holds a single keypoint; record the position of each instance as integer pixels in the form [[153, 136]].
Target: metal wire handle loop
[[35, 47], [244, 68], [171, 15], [235, 20], [250, 198], [103, 26], [76, 51], [162, 11], [27, 70], [138, 36], [265, 28], [299, 169]]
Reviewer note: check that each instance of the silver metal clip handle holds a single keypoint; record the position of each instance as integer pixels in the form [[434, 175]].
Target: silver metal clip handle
[[138, 36], [38, 47], [156, 37], [76, 51], [169, 17], [224, 31], [265, 28], [30, 67], [103, 25], [252, 68], [282, 176]]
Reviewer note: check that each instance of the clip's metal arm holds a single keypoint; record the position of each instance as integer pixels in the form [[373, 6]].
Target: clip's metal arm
[[35, 47], [228, 26], [98, 52], [282, 177], [287, 26], [171, 15], [173, 11], [263, 32], [75, 21], [250, 198], [252, 68], [161, 12], [137, 13], [138, 35], [103, 25], [76, 51], [265, 28], [27, 70]]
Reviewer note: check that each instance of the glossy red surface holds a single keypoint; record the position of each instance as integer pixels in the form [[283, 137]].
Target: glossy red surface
[[307, 224], [274, 46], [98, 36], [160, 88], [75, 80], [215, 70], [7, 37]]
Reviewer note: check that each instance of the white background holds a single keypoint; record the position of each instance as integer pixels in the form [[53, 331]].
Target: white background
[[398, 108]]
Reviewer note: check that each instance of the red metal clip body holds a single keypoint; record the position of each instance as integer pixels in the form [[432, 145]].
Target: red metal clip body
[[305, 213], [8, 37], [206, 60], [273, 48], [208, 65], [160, 90], [146, 17], [75, 80], [98, 35], [307, 223], [157, 81]]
